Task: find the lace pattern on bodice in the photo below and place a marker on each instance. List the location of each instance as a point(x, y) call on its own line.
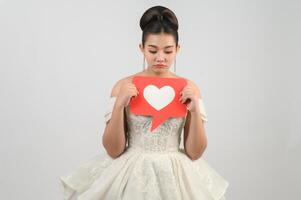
point(167, 137)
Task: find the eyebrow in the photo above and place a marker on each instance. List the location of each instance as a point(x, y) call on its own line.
point(157, 47)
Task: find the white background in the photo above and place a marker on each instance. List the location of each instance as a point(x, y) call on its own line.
point(59, 60)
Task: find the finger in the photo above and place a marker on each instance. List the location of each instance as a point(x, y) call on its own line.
point(132, 94)
point(135, 92)
point(132, 87)
point(188, 106)
point(183, 98)
point(183, 92)
point(183, 95)
point(135, 88)
point(186, 97)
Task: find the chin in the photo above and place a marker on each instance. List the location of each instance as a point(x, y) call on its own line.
point(160, 69)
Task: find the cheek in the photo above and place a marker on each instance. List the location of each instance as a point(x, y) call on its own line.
point(149, 57)
point(171, 57)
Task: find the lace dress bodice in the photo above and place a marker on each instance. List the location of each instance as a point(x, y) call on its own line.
point(166, 137)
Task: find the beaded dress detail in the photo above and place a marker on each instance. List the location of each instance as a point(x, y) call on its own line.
point(153, 166)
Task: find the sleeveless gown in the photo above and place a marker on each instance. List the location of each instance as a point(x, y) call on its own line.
point(154, 166)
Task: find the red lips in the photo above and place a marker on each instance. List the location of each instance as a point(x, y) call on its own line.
point(160, 65)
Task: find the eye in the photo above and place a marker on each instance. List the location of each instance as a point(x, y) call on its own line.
point(153, 52)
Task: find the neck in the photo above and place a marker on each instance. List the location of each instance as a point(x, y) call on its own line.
point(149, 72)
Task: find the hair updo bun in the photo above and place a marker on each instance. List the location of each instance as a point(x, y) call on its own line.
point(159, 19)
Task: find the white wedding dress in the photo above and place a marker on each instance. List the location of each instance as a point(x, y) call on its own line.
point(154, 166)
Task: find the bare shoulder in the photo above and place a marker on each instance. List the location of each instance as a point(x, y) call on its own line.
point(128, 79)
point(188, 80)
point(119, 83)
point(193, 84)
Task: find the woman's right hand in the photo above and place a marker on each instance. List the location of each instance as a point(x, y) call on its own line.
point(126, 92)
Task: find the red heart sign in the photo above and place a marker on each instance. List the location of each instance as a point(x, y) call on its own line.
point(158, 97)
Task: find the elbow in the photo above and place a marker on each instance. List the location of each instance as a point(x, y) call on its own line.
point(197, 155)
point(114, 155)
point(114, 148)
point(113, 151)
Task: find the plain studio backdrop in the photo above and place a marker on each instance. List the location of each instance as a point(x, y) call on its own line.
point(59, 60)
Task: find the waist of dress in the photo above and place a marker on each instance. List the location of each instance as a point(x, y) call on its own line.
point(152, 150)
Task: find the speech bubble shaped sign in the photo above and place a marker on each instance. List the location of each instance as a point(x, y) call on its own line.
point(158, 97)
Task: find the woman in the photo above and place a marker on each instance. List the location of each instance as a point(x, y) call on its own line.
point(148, 168)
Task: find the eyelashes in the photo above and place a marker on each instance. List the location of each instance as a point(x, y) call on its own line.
point(153, 52)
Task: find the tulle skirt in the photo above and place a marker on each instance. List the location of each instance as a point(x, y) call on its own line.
point(144, 176)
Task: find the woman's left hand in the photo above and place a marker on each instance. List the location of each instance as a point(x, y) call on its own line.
point(190, 96)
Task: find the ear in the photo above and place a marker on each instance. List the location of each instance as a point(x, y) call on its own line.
point(141, 48)
point(178, 48)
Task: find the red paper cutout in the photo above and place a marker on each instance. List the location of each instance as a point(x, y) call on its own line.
point(158, 91)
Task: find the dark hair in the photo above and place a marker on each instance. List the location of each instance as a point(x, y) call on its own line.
point(159, 19)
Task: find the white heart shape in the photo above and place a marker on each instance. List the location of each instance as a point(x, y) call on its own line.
point(158, 98)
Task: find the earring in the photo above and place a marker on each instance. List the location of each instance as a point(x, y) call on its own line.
point(174, 66)
point(143, 65)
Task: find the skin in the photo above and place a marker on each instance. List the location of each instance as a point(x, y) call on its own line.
point(158, 49)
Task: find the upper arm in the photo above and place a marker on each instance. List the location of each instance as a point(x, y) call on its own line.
point(118, 84)
point(111, 101)
point(186, 128)
point(188, 117)
point(114, 93)
point(116, 88)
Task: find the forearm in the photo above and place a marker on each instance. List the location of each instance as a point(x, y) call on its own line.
point(196, 141)
point(113, 139)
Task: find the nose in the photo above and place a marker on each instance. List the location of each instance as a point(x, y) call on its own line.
point(160, 57)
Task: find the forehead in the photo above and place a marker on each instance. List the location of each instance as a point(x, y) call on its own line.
point(161, 40)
